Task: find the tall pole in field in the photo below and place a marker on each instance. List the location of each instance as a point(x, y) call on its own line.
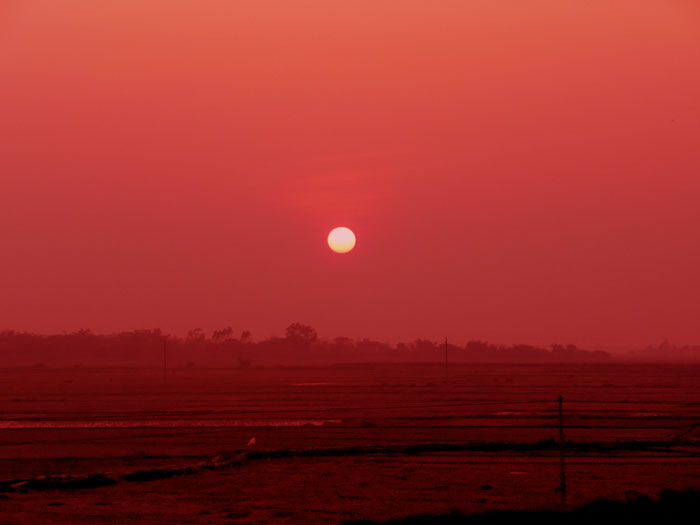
point(447, 373)
point(562, 464)
point(165, 359)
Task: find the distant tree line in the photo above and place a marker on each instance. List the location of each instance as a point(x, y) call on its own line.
point(668, 352)
point(223, 347)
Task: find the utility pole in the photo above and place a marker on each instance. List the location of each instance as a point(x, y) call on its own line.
point(562, 464)
point(165, 359)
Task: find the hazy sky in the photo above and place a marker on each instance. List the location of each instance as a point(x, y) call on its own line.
point(516, 171)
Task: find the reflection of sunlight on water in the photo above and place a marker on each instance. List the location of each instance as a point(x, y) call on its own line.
point(167, 423)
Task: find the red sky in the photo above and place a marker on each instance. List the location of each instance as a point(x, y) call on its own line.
point(514, 171)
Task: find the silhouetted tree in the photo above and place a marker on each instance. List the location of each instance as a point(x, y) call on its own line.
point(477, 346)
point(343, 342)
point(423, 345)
point(196, 335)
point(225, 334)
point(301, 334)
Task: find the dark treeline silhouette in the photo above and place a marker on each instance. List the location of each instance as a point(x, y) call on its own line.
point(666, 351)
point(299, 346)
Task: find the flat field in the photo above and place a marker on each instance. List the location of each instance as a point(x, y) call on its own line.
point(338, 443)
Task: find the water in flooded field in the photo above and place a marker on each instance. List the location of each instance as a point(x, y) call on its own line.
point(361, 442)
point(164, 423)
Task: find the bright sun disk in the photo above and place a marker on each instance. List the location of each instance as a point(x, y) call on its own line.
point(341, 239)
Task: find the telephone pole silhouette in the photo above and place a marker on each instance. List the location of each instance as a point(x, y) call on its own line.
point(562, 463)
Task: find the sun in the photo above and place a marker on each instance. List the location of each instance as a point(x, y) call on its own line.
point(341, 239)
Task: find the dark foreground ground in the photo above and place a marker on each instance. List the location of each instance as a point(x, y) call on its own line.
point(340, 444)
point(668, 507)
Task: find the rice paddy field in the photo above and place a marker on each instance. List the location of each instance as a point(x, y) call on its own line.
point(335, 444)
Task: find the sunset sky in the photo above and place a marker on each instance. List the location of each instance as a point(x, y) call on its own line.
point(515, 171)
